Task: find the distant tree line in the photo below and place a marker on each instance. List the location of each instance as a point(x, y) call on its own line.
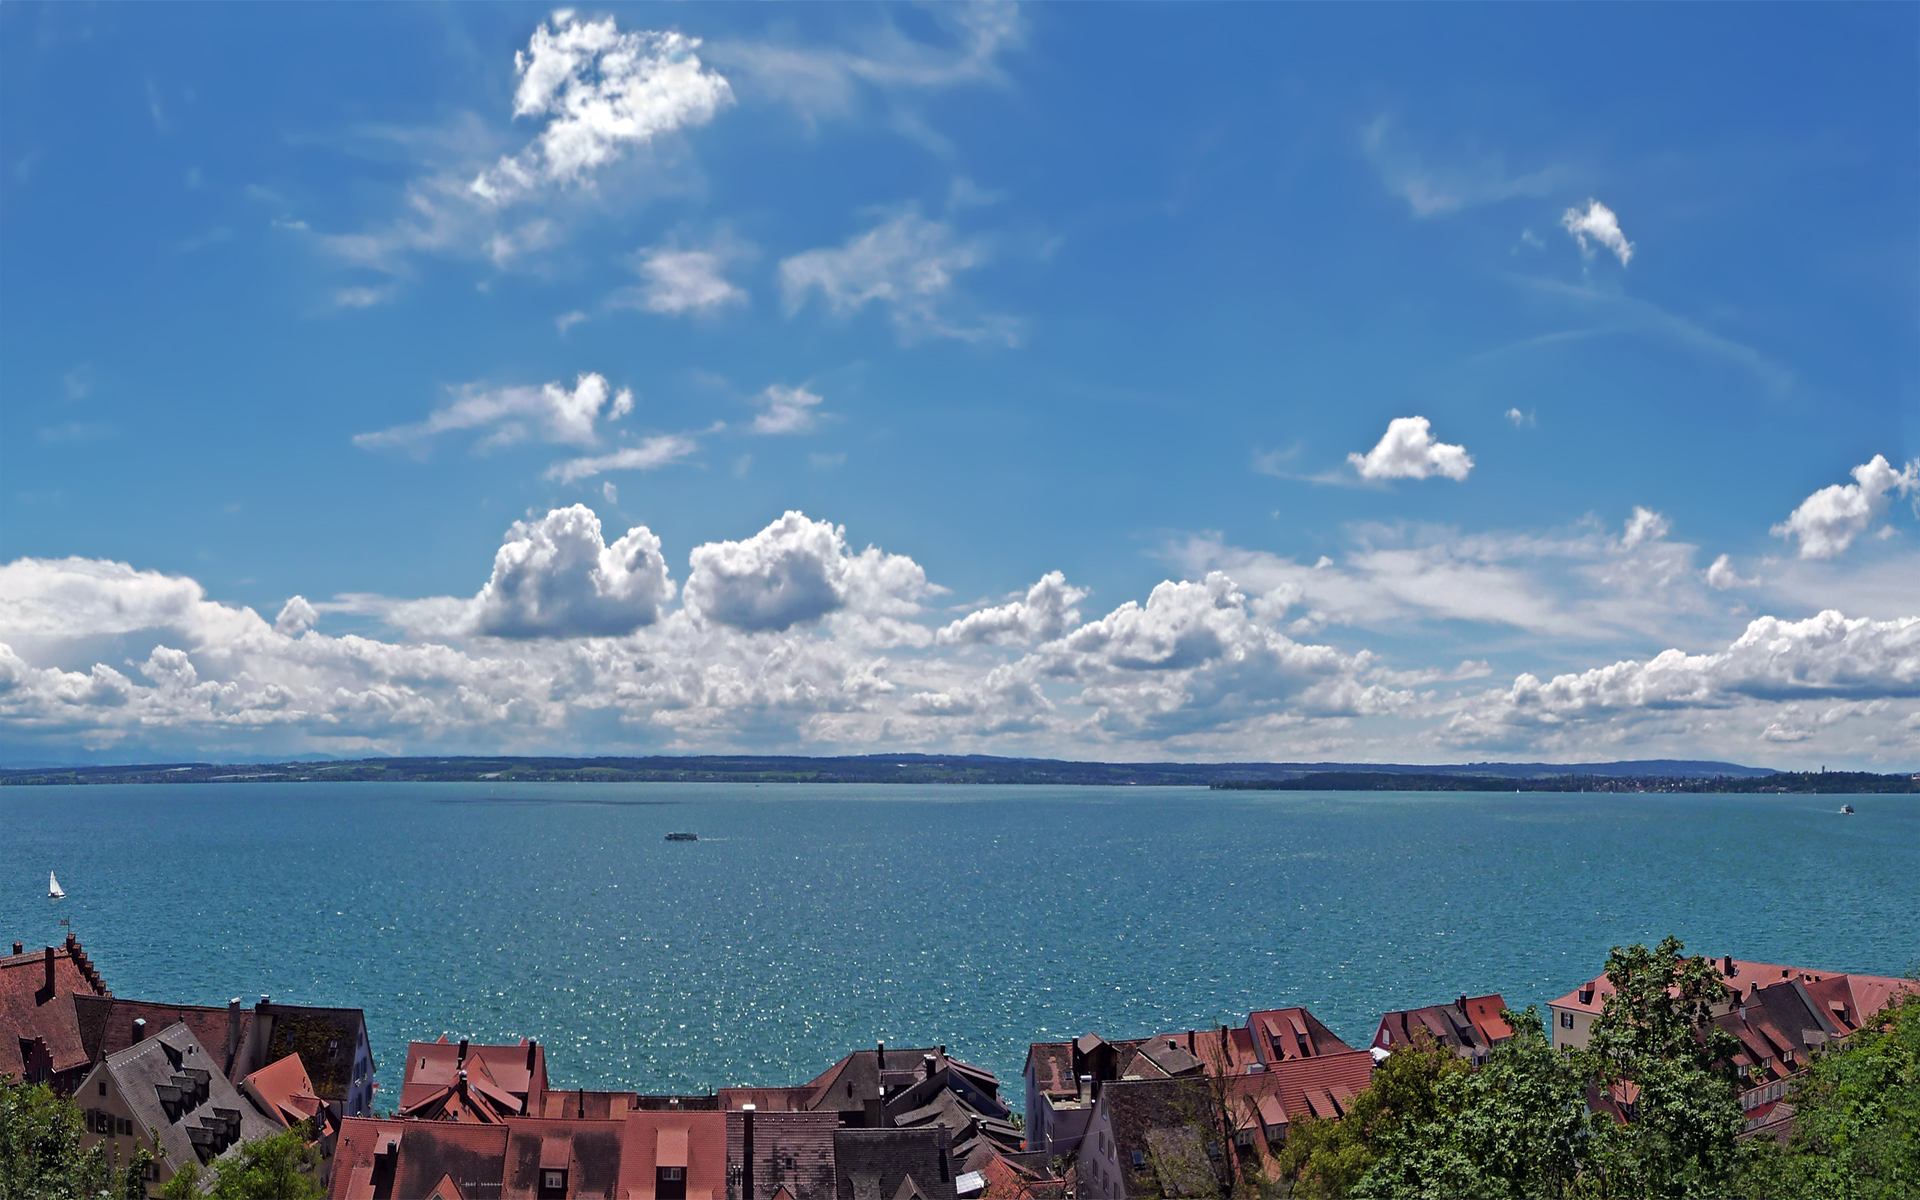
point(1829, 782)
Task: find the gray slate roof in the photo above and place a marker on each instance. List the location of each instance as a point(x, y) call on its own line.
point(176, 1088)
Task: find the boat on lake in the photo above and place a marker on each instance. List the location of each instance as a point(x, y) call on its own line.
point(683, 837)
point(53, 888)
point(1846, 810)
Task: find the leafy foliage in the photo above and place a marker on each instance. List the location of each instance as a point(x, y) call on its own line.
point(41, 1155)
point(1327, 1159)
point(1856, 1120)
point(272, 1168)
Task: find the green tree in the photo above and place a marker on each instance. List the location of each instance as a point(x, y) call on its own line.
point(271, 1168)
point(41, 1157)
point(1856, 1120)
point(1513, 1129)
point(1324, 1160)
point(1655, 1040)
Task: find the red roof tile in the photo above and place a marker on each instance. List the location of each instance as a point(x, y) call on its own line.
point(29, 1011)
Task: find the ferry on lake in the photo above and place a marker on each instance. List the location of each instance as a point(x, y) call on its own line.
point(683, 837)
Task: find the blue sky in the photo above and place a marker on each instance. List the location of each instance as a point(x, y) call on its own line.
point(1271, 382)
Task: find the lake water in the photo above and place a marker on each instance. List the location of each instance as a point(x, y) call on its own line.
point(811, 920)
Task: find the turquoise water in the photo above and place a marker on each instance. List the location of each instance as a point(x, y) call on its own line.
point(811, 920)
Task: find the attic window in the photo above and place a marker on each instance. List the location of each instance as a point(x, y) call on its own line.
point(333, 1045)
point(553, 1181)
point(673, 1174)
point(1139, 1160)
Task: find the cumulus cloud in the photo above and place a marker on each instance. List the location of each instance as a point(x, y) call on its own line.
point(1599, 224)
point(653, 452)
point(906, 264)
point(797, 571)
point(557, 577)
point(601, 92)
point(1409, 451)
point(1826, 657)
point(296, 617)
point(1827, 521)
point(1047, 611)
point(549, 413)
point(1642, 525)
point(787, 410)
point(1721, 575)
point(682, 280)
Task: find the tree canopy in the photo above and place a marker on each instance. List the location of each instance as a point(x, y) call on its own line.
point(41, 1156)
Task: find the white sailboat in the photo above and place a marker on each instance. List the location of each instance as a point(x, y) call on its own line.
point(53, 888)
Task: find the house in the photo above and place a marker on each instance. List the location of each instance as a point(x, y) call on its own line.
point(889, 1089)
point(284, 1092)
point(481, 1085)
point(645, 1154)
point(167, 1096)
point(1471, 1026)
point(1575, 1012)
point(1064, 1079)
point(1782, 1023)
point(40, 1039)
point(781, 1155)
point(1266, 1105)
point(332, 1042)
point(1153, 1137)
point(893, 1164)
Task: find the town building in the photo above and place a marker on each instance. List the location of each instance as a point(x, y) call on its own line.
point(1470, 1026)
point(40, 1039)
point(332, 1042)
point(168, 1096)
point(1064, 1079)
point(892, 1164)
point(480, 1085)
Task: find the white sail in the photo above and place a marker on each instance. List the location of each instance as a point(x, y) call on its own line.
point(53, 888)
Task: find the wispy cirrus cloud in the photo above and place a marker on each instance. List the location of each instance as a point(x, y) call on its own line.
point(678, 280)
point(1434, 189)
point(550, 412)
point(905, 265)
point(651, 453)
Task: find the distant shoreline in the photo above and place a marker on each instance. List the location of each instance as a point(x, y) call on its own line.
point(1653, 775)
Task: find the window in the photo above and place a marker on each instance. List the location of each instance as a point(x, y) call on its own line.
point(126, 1127)
point(553, 1181)
point(103, 1087)
point(1566, 1020)
point(333, 1045)
point(1139, 1160)
point(673, 1174)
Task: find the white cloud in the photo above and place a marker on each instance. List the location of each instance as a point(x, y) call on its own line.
point(1521, 420)
point(1409, 451)
point(549, 413)
point(906, 264)
point(787, 410)
point(1437, 190)
point(1721, 575)
point(1600, 224)
point(602, 91)
point(1642, 525)
point(1827, 521)
point(296, 617)
point(568, 320)
point(557, 577)
point(680, 281)
point(1047, 611)
point(653, 452)
point(827, 82)
point(1826, 657)
point(797, 571)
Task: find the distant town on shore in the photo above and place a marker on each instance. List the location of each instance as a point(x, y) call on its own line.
point(1644, 775)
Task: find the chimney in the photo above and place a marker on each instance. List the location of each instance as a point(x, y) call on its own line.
point(1226, 1045)
point(1463, 1002)
point(463, 1052)
point(1727, 968)
point(583, 1104)
point(1086, 1088)
point(263, 1003)
point(49, 984)
point(746, 1138)
point(883, 1056)
point(926, 1061)
point(19, 948)
point(530, 1045)
point(1190, 1049)
point(139, 1030)
point(233, 1033)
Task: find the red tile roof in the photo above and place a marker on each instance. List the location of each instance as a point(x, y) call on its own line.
point(284, 1092)
point(500, 1081)
point(29, 1011)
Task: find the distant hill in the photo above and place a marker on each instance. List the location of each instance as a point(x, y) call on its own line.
point(863, 768)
